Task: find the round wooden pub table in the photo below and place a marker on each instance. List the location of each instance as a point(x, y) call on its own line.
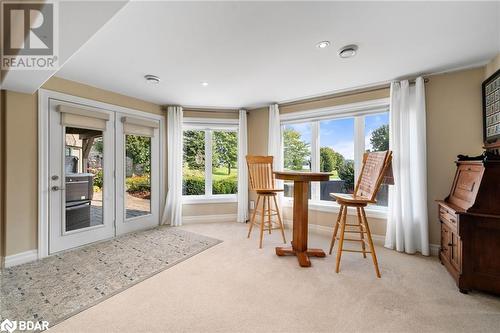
point(301, 182)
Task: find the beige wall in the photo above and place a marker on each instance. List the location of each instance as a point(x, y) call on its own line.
point(218, 114)
point(454, 126)
point(21, 203)
point(209, 209)
point(96, 94)
point(258, 126)
point(334, 101)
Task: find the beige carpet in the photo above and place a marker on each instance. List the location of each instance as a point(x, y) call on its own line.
point(235, 287)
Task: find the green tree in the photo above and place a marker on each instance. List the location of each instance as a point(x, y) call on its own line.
point(295, 150)
point(225, 150)
point(380, 138)
point(138, 148)
point(194, 149)
point(329, 159)
point(346, 173)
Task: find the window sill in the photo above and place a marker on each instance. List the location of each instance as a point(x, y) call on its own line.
point(377, 212)
point(201, 199)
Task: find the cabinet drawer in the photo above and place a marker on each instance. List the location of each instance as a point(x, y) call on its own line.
point(449, 217)
point(445, 240)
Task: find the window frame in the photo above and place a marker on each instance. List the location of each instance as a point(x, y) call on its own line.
point(358, 111)
point(209, 125)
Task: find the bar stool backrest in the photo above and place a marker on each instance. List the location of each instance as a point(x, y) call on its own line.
point(260, 170)
point(375, 165)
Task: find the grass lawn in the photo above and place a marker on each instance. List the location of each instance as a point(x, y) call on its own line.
point(217, 173)
point(221, 173)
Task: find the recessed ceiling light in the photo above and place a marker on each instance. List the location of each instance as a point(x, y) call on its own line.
point(348, 51)
point(204, 84)
point(323, 44)
point(152, 79)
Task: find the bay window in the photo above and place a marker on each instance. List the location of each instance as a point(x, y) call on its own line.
point(334, 140)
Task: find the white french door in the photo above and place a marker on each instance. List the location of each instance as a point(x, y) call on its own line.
point(104, 174)
point(81, 192)
point(137, 174)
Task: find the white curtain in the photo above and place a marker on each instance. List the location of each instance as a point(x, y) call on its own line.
point(172, 213)
point(407, 221)
point(275, 144)
point(242, 168)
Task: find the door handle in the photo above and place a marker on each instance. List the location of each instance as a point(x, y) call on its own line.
point(57, 188)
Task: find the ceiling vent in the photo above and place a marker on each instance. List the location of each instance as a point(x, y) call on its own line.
point(152, 79)
point(348, 51)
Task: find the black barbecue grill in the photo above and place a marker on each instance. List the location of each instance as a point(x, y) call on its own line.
point(79, 193)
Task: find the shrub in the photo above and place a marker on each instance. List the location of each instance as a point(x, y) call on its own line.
point(346, 173)
point(329, 159)
point(225, 186)
point(138, 184)
point(98, 181)
point(193, 185)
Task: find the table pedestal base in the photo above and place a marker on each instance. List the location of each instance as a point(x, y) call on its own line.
point(302, 256)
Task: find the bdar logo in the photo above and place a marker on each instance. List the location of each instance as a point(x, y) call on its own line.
point(8, 326)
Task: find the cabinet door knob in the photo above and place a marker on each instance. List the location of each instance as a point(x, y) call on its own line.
point(450, 244)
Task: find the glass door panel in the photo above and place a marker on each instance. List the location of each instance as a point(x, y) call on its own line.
point(83, 168)
point(137, 176)
point(137, 173)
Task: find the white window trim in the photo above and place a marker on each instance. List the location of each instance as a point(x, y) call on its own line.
point(201, 199)
point(358, 111)
point(209, 125)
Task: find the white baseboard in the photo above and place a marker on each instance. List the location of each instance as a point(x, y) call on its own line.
point(377, 239)
point(21, 258)
point(209, 218)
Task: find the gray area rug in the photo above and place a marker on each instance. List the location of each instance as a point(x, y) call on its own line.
point(57, 287)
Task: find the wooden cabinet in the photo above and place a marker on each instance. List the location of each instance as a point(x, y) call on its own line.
point(470, 225)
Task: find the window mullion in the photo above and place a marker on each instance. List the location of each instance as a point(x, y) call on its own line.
point(208, 163)
point(315, 159)
point(359, 144)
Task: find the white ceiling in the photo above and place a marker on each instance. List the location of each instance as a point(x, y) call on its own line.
point(254, 53)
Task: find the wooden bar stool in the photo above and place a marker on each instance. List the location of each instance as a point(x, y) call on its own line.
point(375, 166)
point(260, 170)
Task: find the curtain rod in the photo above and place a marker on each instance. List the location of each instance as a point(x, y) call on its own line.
point(193, 109)
point(377, 87)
